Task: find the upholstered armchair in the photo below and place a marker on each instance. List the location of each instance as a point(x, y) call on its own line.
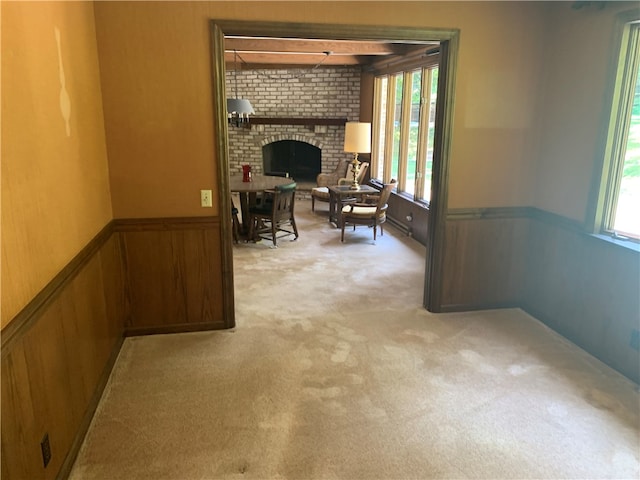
point(326, 179)
point(321, 192)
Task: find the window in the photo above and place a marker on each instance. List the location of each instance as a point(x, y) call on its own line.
point(621, 196)
point(403, 129)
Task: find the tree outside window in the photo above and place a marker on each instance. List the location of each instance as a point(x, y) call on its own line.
point(404, 134)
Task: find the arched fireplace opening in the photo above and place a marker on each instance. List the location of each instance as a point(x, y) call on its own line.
point(301, 160)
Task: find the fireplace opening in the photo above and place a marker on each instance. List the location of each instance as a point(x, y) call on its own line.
point(302, 161)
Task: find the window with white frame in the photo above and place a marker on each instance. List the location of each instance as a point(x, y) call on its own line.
point(403, 129)
point(620, 197)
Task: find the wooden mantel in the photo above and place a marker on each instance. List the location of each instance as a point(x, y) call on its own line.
point(296, 121)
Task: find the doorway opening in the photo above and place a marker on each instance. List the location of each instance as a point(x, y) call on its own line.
point(448, 46)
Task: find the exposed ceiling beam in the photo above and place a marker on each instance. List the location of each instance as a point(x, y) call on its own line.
point(418, 55)
point(248, 60)
point(271, 52)
point(313, 46)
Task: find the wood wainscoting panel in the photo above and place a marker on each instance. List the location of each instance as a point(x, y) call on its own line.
point(50, 372)
point(484, 261)
point(57, 362)
point(200, 265)
point(173, 270)
point(586, 289)
point(582, 286)
point(400, 207)
point(86, 330)
point(153, 290)
point(112, 264)
point(21, 456)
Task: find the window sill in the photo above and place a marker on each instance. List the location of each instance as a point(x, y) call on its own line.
point(405, 196)
point(628, 244)
point(409, 198)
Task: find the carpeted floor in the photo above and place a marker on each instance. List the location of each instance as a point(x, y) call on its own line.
point(335, 371)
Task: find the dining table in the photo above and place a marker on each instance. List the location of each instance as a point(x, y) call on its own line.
point(248, 191)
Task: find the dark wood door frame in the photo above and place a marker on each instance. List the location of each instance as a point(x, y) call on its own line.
point(448, 38)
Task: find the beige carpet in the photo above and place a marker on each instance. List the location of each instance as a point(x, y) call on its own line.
point(335, 371)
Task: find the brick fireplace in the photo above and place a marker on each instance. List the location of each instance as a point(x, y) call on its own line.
point(332, 92)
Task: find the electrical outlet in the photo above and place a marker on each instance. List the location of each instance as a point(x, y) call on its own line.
point(634, 342)
point(205, 198)
point(45, 448)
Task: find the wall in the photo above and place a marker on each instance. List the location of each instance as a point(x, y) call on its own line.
point(155, 77)
point(543, 259)
point(574, 104)
point(62, 283)
point(322, 93)
point(583, 287)
point(400, 208)
point(156, 86)
point(157, 92)
point(55, 368)
point(159, 114)
point(528, 94)
point(173, 275)
point(156, 83)
point(55, 180)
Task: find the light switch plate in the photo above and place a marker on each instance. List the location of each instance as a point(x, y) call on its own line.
point(205, 198)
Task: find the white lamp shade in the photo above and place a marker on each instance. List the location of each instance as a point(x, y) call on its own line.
point(357, 137)
point(239, 106)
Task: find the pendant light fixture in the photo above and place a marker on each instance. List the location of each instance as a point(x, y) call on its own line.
point(238, 109)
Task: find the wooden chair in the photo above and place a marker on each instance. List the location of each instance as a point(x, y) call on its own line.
point(266, 196)
point(236, 223)
point(276, 215)
point(367, 214)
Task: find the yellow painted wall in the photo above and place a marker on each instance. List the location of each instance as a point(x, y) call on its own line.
point(156, 77)
point(55, 184)
point(580, 53)
point(155, 62)
point(520, 65)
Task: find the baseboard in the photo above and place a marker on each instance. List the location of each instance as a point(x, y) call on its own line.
point(175, 328)
point(465, 307)
point(398, 225)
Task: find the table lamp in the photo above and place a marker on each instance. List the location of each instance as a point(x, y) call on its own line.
point(357, 139)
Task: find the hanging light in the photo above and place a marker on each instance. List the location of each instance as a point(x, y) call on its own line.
point(238, 109)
